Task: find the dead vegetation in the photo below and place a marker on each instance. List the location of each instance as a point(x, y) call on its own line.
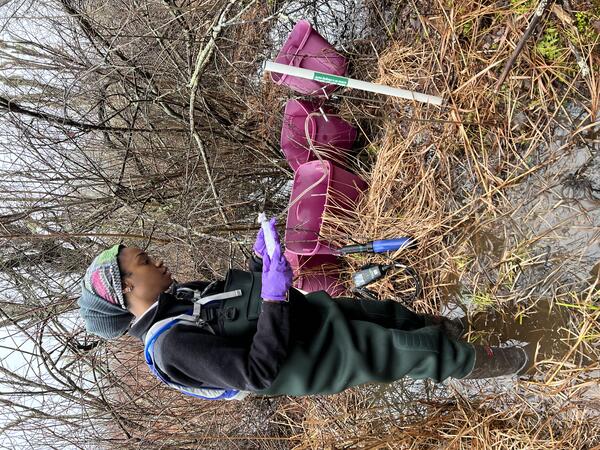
point(168, 138)
point(464, 179)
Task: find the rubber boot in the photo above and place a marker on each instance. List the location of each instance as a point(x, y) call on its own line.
point(496, 362)
point(453, 328)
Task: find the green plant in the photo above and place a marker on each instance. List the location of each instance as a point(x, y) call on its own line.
point(482, 300)
point(463, 262)
point(467, 28)
point(583, 22)
point(522, 6)
point(579, 304)
point(549, 46)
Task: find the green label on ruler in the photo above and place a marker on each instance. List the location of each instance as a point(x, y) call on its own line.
point(331, 79)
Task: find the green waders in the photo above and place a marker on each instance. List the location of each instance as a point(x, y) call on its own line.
point(342, 342)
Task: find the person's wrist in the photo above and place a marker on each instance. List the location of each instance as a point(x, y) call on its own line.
point(278, 299)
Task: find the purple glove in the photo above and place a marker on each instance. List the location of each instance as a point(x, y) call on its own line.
point(260, 247)
point(276, 276)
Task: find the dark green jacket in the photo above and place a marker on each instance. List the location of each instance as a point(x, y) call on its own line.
point(313, 345)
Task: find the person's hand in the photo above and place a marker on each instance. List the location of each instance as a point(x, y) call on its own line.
point(276, 276)
point(260, 247)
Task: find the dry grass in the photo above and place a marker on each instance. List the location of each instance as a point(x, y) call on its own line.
point(467, 180)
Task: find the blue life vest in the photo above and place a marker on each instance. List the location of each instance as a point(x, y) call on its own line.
point(192, 318)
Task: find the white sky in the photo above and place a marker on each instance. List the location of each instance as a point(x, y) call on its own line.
point(17, 352)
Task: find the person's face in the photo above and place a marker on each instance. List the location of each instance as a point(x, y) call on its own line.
point(144, 277)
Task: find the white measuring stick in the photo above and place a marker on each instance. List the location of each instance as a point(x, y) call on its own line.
point(270, 241)
point(322, 77)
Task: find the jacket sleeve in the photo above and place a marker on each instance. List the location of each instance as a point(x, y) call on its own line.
point(193, 357)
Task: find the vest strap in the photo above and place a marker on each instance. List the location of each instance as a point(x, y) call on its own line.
point(220, 296)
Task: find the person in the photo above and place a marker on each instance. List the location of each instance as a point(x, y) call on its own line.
point(273, 339)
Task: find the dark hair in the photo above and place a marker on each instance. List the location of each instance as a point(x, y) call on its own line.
point(121, 273)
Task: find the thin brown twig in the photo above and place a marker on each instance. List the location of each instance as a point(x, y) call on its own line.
point(537, 15)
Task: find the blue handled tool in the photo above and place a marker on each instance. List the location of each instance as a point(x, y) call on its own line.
point(372, 272)
point(379, 246)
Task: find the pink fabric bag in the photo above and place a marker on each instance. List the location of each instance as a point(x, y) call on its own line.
point(307, 49)
point(318, 186)
point(332, 137)
point(316, 273)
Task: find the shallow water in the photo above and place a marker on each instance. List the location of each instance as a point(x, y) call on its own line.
point(488, 243)
point(543, 324)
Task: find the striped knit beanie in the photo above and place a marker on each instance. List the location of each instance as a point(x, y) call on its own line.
point(101, 304)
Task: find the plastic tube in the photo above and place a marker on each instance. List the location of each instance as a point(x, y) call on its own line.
point(270, 241)
point(271, 66)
